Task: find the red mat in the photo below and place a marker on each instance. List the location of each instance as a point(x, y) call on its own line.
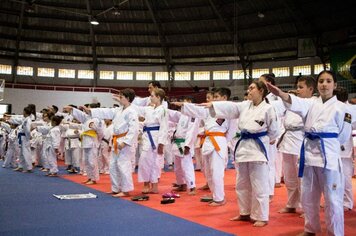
point(190, 208)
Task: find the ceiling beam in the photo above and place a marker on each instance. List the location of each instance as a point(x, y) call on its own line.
point(166, 51)
point(17, 43)
point(93, 45)
point(234, 34)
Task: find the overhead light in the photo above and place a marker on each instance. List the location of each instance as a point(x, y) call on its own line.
point(116, 11)
point(94, 21)
point(260, 15)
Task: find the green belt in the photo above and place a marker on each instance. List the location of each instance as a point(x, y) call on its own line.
point(179, 141)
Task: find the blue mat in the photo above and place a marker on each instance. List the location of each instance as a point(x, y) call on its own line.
point(27, 207)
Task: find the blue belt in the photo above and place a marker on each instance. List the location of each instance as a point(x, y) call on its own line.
point(314, 136)
point(148, 130)
point(256, 137)
point(19, 137)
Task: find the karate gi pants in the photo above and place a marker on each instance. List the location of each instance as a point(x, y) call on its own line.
point(291, 179)
point(121, 170)
point(315, 181)
point(253, 190)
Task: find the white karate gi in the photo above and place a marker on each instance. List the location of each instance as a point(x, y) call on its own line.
point(290, 146)
point(105, 153)
point(215, 160)
point(24, 134)
point(323, 117)
point(90, 144)
point(13, 149)
point(70, 134)
point(149, 167)
point(123, 121)
point(187, 131)
point(52, 142)
point(347, 161)
point(251, 188)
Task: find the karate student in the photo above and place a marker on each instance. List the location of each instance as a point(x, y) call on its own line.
point(347, 151)
point(275, 158)
point(290, 143)
point(146, 101)
point(155, 136)
point(183, 148)
point(105, 148)
point(259, 128)
point(92, 133)
point(24, 135)
point(13, 150)
point(326, 126)
point(214, 149)
point(125, 131)
point(72, 146)
point(199, 162)
point(51, 143)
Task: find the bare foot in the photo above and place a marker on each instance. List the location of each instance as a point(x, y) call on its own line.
point(260, 223)
point(122, 194)
point(216, 204)
point(241, 218)
point(91, 182)
point(306, 234)
point(287, 210)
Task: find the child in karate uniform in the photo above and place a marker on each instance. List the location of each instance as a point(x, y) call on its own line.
point(259, 128)
point(327, 126)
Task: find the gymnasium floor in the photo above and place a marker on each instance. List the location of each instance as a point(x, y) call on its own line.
point(27, 207)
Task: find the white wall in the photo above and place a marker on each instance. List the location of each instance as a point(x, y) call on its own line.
point(20, 98)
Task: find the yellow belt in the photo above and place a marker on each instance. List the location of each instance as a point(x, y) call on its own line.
point(91, 133)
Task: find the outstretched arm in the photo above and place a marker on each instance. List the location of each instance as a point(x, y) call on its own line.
point(278, 92)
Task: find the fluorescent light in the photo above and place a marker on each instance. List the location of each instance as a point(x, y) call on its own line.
point(94, 21)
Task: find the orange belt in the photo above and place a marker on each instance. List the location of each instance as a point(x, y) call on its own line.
point(202, 139)
point(212, 139)
point(114, 140)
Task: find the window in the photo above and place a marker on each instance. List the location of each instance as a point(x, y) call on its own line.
point(45, 72)
point(202, 75)
point(161, 76)
point(107, 74)
point(238, 74)
point(5, 69)
point(124, 75)
point(320, 67)
point(256, 73)
point(66, 73)
point(182, 75)
point(303, 70)
point(85, 74)
point(25, 70)
point(221, 75)
point(281, 71)
point(143, 75)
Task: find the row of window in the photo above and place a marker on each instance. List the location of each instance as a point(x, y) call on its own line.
point(129, 75)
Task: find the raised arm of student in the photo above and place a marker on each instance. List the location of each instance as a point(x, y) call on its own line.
point(192, 110)
point(227, 109)
point(104, 113)
point(79, 115)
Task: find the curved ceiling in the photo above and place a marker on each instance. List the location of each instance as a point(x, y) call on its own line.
point(171, 32)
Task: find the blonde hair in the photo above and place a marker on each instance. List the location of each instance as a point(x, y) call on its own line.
point(160, 93)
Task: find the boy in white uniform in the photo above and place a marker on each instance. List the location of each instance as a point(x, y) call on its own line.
point(214, 150)
point(327, 125)
point(154, 138)
point(125, 131)
point(290, 143)
point(183, 148)
point(92, 132)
